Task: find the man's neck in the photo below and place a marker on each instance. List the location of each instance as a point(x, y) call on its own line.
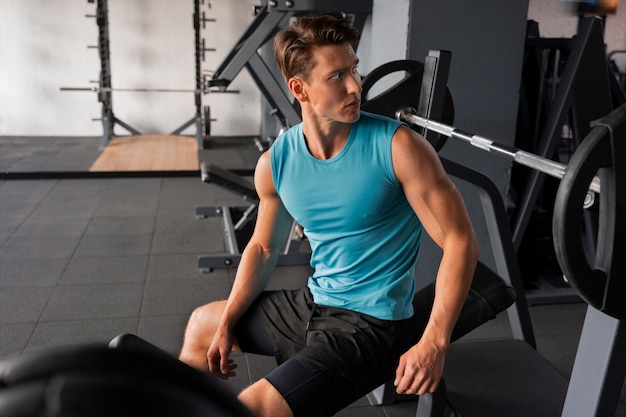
point(325, 140)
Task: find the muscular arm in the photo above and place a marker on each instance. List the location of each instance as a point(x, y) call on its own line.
point(441, 209)
point(257, 262)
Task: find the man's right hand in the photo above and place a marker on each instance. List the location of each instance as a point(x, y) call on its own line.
point(218, 357)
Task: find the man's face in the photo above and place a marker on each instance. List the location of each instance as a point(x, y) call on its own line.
point(333, 86)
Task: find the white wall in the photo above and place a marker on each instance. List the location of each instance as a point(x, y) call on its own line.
point(384, 37)
point(557, 19)
point(43, 46)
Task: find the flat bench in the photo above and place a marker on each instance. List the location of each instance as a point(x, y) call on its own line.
point(238, 222)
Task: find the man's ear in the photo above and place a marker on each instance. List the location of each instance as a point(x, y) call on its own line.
point(296, 86)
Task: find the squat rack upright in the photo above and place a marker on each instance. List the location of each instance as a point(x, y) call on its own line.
point(105, 90)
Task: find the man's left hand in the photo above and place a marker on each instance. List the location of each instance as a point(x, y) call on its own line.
point(420, 369)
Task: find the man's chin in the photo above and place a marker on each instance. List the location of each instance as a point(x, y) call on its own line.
point(354, 117)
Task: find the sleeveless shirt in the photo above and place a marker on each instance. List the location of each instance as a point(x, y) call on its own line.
point(364, 235)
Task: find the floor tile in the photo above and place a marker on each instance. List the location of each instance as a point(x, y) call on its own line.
point(165, 332)
point(101, 301)
point(176, 267)
point(187, 223)
point(39, 247)
point(49, 334)
point(180, 297)
point(114, 245)
point(178, 243)
point(13, 339)
point(23, 305)
point(9, 223)
point(28, 273)
point(118, 225)
point(105, 270)
point(51, 225)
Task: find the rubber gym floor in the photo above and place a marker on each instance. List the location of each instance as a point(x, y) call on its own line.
point(83, 260)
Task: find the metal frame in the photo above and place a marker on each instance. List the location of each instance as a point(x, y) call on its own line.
point(271, 17)
point(197, 118)
point(105, 91)
point(600, 366)
point(434, 84)
point(506, 266)
point(238, 222)
point(585, 93)
point(290, 254)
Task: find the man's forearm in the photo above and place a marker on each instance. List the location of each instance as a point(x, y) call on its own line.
point(454, 279)
point(252, 276)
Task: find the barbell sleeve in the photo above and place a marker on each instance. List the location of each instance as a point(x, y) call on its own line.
point(544, 165)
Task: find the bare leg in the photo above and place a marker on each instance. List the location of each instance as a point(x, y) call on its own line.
point(261, 397)
point(264, 400)
point(199, 334)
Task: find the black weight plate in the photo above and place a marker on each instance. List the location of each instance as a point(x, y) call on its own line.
point(602, 284)
point(403, 94)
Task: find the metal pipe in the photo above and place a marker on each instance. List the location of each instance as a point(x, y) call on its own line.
point(145, 90)
point(547, 166)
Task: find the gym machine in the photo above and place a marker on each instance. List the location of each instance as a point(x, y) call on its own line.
point(238, 223)
point(126, 378)
point(599, 369)
point(566, 85)
point(271, 17)
point(434, 101)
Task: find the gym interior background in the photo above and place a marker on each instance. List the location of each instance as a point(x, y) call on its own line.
point(85, 257)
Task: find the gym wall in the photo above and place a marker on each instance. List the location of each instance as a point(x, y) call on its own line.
point(487, 45)
point(44, 45)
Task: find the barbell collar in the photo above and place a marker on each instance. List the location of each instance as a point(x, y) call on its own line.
point(544, 165)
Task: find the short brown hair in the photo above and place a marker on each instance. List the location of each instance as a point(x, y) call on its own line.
point(293, 45)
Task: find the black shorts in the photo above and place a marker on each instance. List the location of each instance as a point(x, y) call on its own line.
point(328, 357)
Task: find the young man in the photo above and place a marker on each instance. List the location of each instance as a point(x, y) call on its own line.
point(362, 187)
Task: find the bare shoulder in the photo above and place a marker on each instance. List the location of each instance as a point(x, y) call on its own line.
point(412, 154)
point(263, 180)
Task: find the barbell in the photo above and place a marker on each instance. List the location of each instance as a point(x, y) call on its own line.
point(598, 165)
point(528, 159)
point(147, 90)
point(401, 101)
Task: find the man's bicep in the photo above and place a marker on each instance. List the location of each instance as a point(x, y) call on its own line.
point(273, 222)
point(427, 187)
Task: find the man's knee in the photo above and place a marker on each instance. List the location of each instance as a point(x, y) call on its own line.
point(263, 400)
point(199, 333)
point(207, 316)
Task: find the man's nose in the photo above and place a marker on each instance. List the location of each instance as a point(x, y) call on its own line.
point(354, 83)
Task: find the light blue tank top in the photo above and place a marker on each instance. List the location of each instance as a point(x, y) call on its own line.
point(364, 235)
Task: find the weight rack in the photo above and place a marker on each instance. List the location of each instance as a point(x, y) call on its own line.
point(105, 89)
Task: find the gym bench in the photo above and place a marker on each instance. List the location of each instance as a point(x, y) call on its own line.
point(238, 222)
